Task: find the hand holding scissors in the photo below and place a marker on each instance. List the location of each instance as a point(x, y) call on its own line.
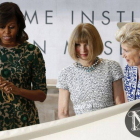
point(6, 87)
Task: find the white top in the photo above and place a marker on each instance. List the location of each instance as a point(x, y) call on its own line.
point(90, 91)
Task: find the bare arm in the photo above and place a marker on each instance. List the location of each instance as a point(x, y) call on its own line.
point(118, 92)
point(125, 97)
point(63, 103)
point(35, 95)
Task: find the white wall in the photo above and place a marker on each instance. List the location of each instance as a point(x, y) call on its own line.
point(104, 14)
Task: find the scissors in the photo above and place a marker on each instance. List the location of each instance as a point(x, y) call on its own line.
point(8, 97)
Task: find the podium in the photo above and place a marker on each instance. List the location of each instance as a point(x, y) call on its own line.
point(104, 124)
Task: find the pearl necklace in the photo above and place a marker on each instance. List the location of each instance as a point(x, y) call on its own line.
point(88, 69)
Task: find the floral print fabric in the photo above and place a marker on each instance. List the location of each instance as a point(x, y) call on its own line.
point(23, 65)
point(131, 83)
point(90, 91)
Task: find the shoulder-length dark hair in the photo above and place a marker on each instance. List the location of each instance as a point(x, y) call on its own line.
point(9, 11)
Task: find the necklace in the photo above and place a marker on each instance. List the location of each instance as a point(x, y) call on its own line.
point(87, 69)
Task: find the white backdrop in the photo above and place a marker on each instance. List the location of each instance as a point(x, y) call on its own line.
point(50, 23)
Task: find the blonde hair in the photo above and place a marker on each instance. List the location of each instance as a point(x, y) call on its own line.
point(86, 33)
point(130, 34)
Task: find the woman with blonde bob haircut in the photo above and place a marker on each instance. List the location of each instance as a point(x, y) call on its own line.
point(91, 83)
point(129, 37)
point(86, 33)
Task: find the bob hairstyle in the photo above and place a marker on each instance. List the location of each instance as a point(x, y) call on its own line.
point(9, 11)
point(129, 34)
point(86, 33)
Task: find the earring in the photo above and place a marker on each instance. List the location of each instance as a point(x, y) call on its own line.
point(77, 56)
